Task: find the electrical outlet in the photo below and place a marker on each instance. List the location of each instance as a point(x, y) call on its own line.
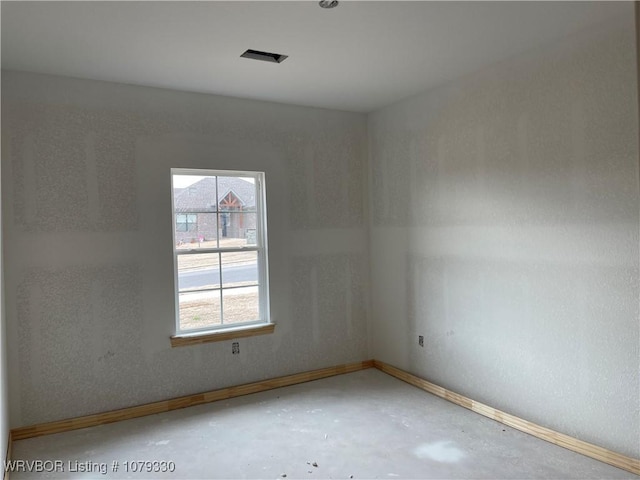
point(421, 340)
point(235, 348)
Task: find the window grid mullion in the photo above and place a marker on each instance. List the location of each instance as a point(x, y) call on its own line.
point(214, 289)
point(202, 251)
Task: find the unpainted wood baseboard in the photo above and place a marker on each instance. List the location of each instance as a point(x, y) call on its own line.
point(588, 449)
point(182, 402)
point(598, 453)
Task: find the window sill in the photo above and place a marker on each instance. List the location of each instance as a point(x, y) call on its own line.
point(227, 334)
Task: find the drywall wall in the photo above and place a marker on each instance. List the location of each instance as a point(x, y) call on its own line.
point(4, 374)
point(88, 240)
point(504, 212)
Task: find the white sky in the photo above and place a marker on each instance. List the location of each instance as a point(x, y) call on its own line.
point(183, 181)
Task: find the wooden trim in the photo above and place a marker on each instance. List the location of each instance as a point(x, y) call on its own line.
point(612, 458)
point(598, 453)
point(198, 338)
point(182, 402)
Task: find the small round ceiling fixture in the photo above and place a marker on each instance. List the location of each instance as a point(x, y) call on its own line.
point(328, 3)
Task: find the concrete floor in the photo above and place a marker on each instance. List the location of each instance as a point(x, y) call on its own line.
point(364, 424)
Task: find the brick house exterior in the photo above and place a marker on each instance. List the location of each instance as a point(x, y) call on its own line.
point(201, 217)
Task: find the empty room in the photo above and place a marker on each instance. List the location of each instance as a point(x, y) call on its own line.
point(320, 239)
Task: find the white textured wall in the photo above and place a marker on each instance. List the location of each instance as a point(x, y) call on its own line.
point(505, 230)
point(4, 373)
point(88, 240)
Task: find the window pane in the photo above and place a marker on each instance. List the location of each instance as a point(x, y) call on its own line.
point(235, 192)
point(240, 305)
point(237, 206)
point(193, 193)
point(239, 268)
point(237, 229)
point(195, 231)
point(198, 271)
point(199, 309)
point(217, 210)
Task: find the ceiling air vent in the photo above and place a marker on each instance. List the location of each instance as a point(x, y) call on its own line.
point(264, 56)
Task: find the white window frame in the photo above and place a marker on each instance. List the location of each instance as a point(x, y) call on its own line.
point(260, 248)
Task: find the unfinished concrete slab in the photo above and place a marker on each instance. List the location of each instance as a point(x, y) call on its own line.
point(360, 425)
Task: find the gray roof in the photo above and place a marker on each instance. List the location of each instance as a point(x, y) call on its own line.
point(200, 196)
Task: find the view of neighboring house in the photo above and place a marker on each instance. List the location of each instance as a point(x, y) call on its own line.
point(202, 216)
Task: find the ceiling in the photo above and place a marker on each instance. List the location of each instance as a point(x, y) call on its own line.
point(358, 57)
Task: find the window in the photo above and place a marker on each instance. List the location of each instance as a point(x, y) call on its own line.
point(220, 251)
point(186, 222)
